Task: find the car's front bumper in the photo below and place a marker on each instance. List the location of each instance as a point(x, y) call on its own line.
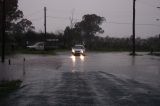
point(78, 53)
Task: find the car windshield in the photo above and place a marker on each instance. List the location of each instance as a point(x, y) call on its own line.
point(78, 47)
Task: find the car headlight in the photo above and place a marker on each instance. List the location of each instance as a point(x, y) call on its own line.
point(73, 50)
point(81, 51)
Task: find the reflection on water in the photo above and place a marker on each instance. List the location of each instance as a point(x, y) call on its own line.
point(77, 63)
point(82, 62)
point(133, 60)
point(133, 68)
point(73, 63)
point(73, 58)
point(82, 57)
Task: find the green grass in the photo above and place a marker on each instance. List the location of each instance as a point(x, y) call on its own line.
point(7, 87)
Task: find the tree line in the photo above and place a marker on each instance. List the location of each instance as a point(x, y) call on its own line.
point(20, 33)
point(108, 43)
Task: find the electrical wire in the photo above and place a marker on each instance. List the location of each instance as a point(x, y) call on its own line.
point(37, 19)
point(135, 24)
point(67, 18)
point(34, 13)
point(111, 22)
point(62, 18)
point(147, 4)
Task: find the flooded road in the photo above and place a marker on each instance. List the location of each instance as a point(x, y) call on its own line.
point(97, 79)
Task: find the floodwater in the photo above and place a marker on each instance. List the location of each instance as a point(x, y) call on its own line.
point(97, 79)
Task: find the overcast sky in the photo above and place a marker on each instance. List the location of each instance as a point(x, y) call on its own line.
point(118, 14)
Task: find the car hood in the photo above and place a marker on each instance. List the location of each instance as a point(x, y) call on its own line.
point(78, 49)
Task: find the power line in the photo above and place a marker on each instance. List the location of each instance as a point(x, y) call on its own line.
point(118, 23)
point(147, 4)
point(111, 22)
point(149, 25)
point(34, 13)
point(135, 24)
point(36, 19)
point(61, 18)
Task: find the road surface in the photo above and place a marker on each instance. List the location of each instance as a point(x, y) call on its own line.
point(97, 79)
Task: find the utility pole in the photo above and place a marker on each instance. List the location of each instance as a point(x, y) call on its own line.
point(158, 18)
point(133, 37)
point(45, 35)
point(3, 31)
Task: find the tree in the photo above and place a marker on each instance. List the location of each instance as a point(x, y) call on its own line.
point(12, 12)
point(68, 38)
point(12, 25)
point(14, 17)
point(22, 26)
point(89, 26)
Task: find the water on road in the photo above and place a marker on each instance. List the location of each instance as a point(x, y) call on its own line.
point(97, 79)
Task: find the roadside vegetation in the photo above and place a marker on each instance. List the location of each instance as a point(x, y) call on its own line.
point(155, 54)
point(20, 33)
point(102, 44)
point(43, 52)
point(7, 87)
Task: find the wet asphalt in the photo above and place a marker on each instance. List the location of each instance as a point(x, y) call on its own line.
point(97, 79)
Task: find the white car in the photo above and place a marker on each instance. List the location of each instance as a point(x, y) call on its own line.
point(37, 46)
point(78, 50)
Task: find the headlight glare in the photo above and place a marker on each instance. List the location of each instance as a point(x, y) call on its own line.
point(73, 50)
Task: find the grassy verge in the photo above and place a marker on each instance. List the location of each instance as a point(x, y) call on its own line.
point(155, 54)
point(62, 50)
point(43, 52)
point(7, 87)
point(26, 51)
point(7, 52)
